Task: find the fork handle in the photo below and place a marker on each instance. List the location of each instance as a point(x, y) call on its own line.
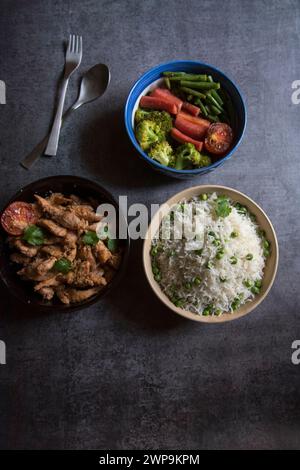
point(55, 131)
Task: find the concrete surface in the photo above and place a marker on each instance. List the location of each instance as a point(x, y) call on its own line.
point(127, 373)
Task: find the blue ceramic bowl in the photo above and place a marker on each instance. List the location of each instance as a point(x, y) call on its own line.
point(152, 78)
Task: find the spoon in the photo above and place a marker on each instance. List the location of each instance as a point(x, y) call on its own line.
point(93, 84)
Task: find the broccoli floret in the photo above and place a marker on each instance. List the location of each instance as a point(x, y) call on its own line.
point(187, 156)
point(161, 118)
point(162, 152)
point(140, 115)
point(148, 133)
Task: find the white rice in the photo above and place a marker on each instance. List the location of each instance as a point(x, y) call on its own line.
point(179, 264)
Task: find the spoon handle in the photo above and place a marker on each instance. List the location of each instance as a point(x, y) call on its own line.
point(35, 154)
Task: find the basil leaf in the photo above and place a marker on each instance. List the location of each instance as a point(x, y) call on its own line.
point(223, 208)
point(63, 265)
point(33, 235)
point(90, 238)
point(112, 245)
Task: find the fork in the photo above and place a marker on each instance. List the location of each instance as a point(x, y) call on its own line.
point(73, 59)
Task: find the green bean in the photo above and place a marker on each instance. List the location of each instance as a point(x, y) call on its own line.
point(188, 90)
point(174, 74)
point(190, 78)
point(189, 97)
point(214, 110)
point(200, 85)
point(202, 107)
point(213, 118)
point(167, 82)
point(212, 100)
point(217, 97)
point(249, 256)
point(233, 260)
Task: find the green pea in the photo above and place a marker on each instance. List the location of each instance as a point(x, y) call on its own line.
point(248, 284)
point(188, 285)
point(154, 251)
point(218, 312)
point(234, 234)
point(255, 290)
point(258, 283)
point(211, 233)
point(220, 253)
point(249, 256)
point(266, 252)
point(155, 269)
point(209, 265)
point(198, 252)
point(207, 311)
point(233, 260)
point(236, 303)
point(266, 244)
point(171, 253)
point(217, 242)
point(222, 279)
point(197, 281)
point(179, 302)
point(203, 197)
point(157, 277)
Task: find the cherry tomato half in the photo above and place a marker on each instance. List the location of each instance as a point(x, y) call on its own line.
point(219, 138)
point(17, 216)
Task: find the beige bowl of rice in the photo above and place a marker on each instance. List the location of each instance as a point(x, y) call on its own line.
point(210, 254)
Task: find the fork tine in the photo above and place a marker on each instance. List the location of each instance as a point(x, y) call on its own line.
point(73, 43)
point(80, 45)
point(70, 43)
point(77, 44)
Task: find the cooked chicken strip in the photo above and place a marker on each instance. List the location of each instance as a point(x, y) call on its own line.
point(49, 240)
point(25, 249)
point(85, 212)
point(53, 250)
point(101, 252)
point(49, 282)
point(52, 227)
point(46, 265)
point(61, 215)
point(46, 292)
point(69, 295)
point(85, 253)
point(59, 199)
point(20, 259)
point(93, 227)
point(70, 252)
point(70, 239)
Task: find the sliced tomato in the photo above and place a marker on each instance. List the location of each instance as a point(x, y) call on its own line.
point(167, 95)
point(191, 108)
point(184, 139)
point(219, 138)
point(158, 103)
point(17, 216)
point(195, 130)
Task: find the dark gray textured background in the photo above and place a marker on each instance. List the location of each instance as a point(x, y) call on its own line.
point(127, 373)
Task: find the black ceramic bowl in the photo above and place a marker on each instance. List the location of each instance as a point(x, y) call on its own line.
point(23, 290)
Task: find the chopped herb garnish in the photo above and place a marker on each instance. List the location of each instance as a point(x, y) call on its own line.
point(112, 244)
point(62, 265)
point(34, 235)
point(90, 238)
point(223, 208)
